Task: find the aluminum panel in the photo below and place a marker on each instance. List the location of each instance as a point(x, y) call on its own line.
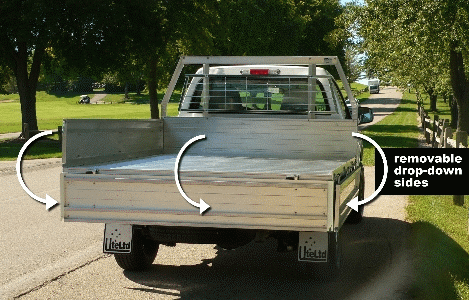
point(94, 141)
point(269, 138)
point(248, 206)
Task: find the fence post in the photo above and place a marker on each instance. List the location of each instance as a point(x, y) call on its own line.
point(435, 130)
point(458, 200)
point(26, 131)
point(447, 135)
point(422, 117)
point(59, 131)
point(441, 133)
point(427, 125)
point(461, 138)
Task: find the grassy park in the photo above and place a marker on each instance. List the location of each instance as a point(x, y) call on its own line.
point(52, 109)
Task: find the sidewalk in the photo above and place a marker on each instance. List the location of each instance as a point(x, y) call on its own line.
point(11, 135)
point(9, 167)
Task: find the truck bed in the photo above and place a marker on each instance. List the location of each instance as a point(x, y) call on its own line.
point(191, 164)
point(242, 192)
point(242, 170)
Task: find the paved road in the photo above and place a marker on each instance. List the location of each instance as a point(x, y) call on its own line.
point(44, 258)
point(376, 266)
point(35, 244)
point(382, 104)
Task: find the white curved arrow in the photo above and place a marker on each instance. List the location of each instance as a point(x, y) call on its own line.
point(354, 203)
point(202, 205)
point(49, 201)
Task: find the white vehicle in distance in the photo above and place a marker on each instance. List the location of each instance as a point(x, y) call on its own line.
point(373, 86)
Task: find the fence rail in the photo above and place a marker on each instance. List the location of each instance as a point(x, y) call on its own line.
point(438, 132)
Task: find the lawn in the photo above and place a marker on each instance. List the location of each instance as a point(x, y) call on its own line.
point(440, 241)
point(52, 109)
point(398, 130)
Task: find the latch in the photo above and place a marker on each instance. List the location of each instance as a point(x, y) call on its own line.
point(293, 177)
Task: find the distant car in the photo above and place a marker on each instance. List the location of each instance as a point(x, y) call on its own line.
point(84, 99)
point(373, 86)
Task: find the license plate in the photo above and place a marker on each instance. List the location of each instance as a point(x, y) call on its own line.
point(117, 238)
point(312, 246)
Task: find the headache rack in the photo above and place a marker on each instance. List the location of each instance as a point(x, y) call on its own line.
point(210, 97)
point(260, 94)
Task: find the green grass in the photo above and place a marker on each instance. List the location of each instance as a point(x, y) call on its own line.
point(439, 236)
point(442, 109)
point(398, 130)
point(44, 148)
point(52, 109)
point(356, 88)
point(440, 241)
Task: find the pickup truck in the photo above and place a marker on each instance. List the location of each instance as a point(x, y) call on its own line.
point(266, 142)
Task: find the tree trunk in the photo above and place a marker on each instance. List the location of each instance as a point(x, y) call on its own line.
point(27, 83)
point(460, 86)
point(137, 87)
point(152, 89)
point(433, 97)
point(126, 90)
point(454, 112)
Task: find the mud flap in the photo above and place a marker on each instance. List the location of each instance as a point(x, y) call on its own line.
point(313, 247)
point(117, 238)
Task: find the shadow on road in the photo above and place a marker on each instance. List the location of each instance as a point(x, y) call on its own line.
point(256, 271)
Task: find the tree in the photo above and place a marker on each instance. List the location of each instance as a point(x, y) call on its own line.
point(89, 36)
point(259, 28)
point(422, 42)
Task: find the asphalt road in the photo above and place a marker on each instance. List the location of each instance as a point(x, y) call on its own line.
point(45, 258)
point(35, 244)
point(382, 104)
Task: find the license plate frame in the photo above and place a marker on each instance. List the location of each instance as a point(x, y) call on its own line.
point(117, 238)
point(313, 247)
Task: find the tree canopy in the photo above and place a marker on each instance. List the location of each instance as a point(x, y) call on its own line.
point(92, 38)
point(419, 42)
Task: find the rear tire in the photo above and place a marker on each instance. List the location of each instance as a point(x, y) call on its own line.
point(143, 253)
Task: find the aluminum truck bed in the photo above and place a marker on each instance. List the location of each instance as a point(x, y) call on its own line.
point(271, 167)
point(243, 192)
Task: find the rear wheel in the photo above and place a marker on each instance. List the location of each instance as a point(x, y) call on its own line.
point(143, 253)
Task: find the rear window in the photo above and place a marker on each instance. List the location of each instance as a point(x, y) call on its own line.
point(253, 94)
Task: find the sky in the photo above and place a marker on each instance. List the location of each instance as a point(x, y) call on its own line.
point(346, 1)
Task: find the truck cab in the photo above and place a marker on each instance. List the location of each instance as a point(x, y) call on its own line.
point(263, 90)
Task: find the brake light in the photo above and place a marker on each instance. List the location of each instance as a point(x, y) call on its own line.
point(260, 72)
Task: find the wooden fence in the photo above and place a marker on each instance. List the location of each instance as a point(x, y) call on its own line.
point(438, 132)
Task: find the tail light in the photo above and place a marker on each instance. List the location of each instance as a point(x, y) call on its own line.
point(260, 72)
